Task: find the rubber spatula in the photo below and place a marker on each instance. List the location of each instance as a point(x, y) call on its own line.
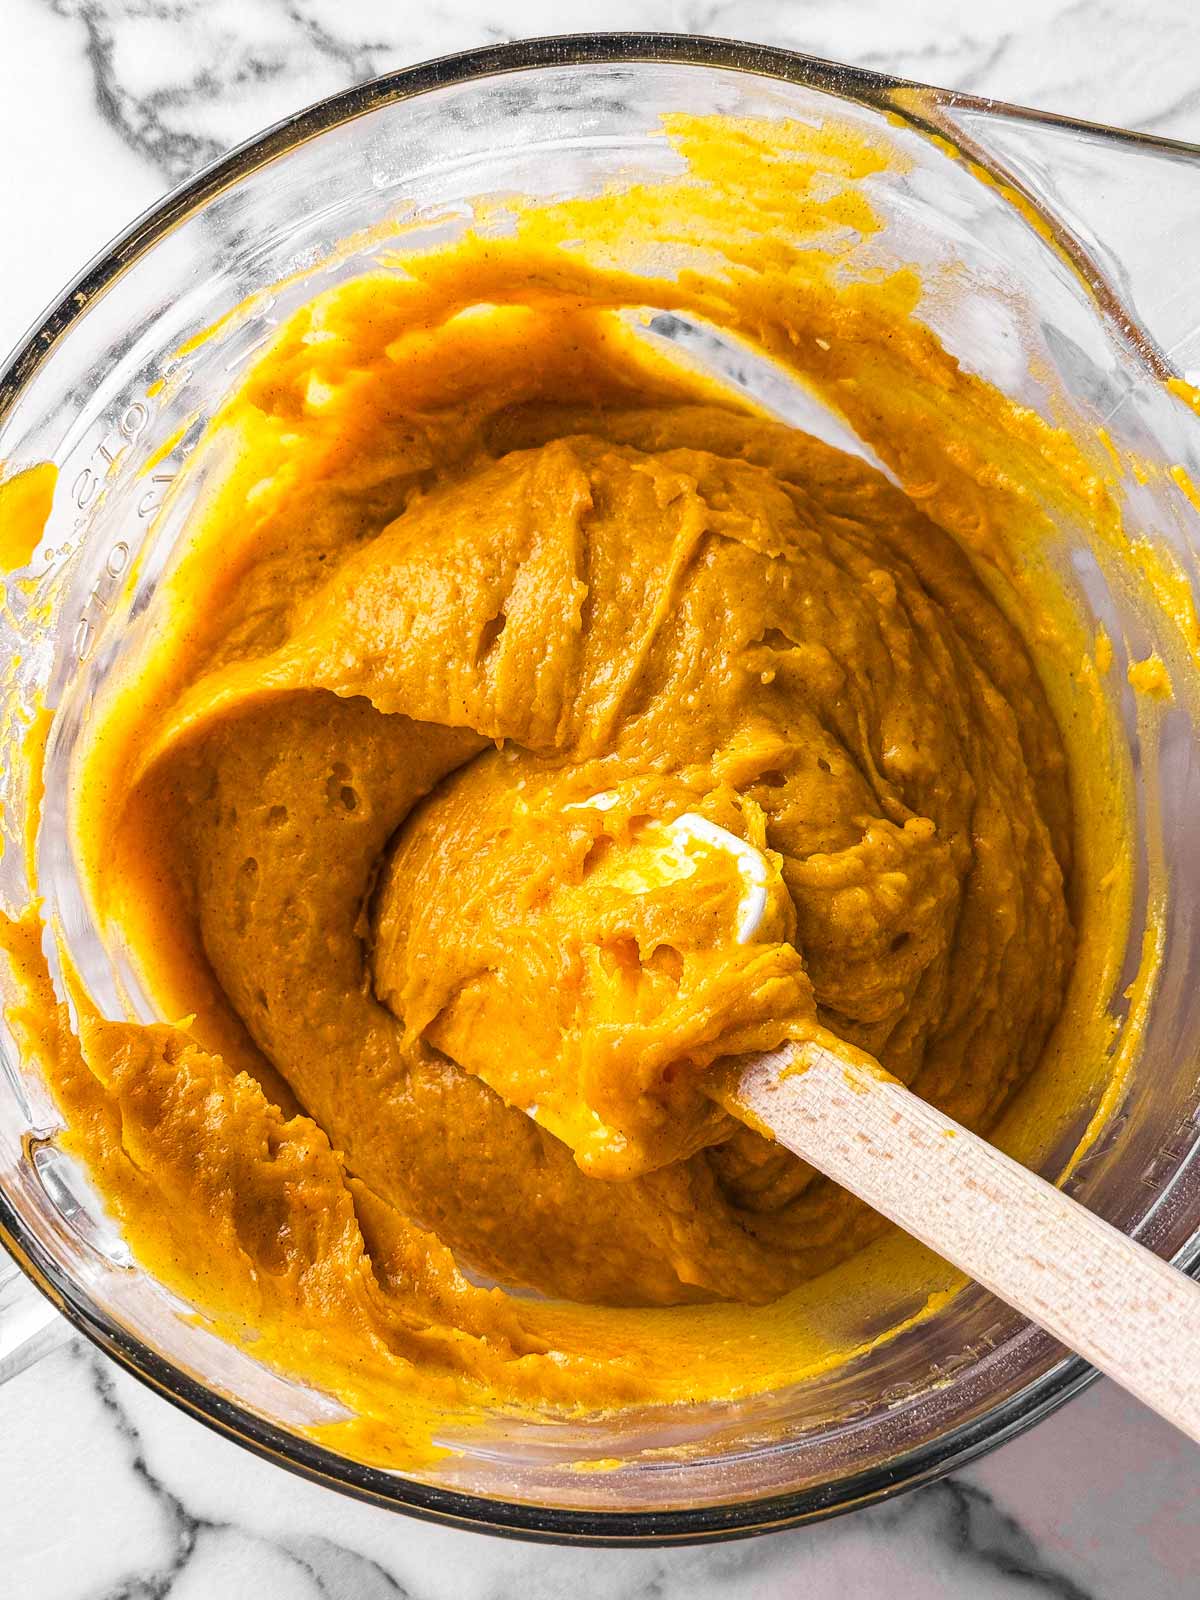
point(1129, 1313)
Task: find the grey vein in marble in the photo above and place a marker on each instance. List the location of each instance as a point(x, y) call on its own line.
point(153, 118)
point(959, 1517)
point(987, 1539)
point(180, 80)
point(333, 1570)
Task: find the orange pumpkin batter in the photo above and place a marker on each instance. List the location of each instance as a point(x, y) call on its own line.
point(487, 594)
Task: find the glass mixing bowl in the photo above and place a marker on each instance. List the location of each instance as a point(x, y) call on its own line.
point(1047, 252)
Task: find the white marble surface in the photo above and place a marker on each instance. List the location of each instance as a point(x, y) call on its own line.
point(108, 1493)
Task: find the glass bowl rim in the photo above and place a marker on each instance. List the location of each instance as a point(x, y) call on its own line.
point(520, 1519)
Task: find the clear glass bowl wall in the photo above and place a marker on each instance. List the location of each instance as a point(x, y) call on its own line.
point(108, 383)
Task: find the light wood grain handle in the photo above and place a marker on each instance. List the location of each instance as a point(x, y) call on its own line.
point(1127, 1312)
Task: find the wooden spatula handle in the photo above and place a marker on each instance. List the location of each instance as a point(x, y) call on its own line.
point(1121, 1307)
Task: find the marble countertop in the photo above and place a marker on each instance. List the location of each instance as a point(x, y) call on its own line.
point(107, 1492)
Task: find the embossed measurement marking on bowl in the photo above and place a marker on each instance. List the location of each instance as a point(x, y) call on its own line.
point(492, 590)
